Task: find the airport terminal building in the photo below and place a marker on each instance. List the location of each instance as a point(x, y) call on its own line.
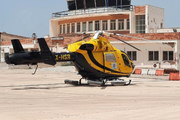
point(145, 24)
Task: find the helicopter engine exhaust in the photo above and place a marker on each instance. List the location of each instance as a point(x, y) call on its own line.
point(88, 47)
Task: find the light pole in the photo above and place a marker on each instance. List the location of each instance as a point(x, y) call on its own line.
point(121, 4)
point(84, 6)
point(34, 36)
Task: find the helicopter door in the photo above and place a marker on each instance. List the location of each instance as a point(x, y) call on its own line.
point(109, 61)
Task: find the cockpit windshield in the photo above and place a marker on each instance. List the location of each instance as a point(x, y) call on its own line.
point(125, 59)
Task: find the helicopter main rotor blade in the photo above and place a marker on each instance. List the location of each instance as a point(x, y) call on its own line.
point(79, 40)
point(125, 42)
point(82, 38)
point(145, 39)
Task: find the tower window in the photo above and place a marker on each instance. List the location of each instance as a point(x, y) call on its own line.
point(120, 24)
point(72, 27)
point(64, 28)
point(68, 28)
point(97, 25)
point(113, 24)
point(61, 29)
point(84, 27)
point(78, 27)
point(128, 24)
point(105, 25)
point(140, 24)
point(91, 26)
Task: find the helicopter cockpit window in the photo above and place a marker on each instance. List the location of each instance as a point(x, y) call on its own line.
point(126, 60)
point(110, 57)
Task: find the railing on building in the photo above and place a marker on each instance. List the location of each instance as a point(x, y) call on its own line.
point(123, 8)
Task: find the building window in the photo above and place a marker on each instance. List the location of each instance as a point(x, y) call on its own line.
point(128, 24)
point(168, 56)
point(64, 28)
point(97, 25)
point(113, 24)
point(132, 55)
point(120, 24)
point(153, 55)
point(72, 27)
point(68, 28)
point(84, 27)
point(161, 25)
point(78, 27)
point(61, 30)
point(140, 24)
point(105, 24)
point(91, 26)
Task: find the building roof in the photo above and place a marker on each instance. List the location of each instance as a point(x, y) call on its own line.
point(68, 39)
point(150, 36)
point(12, 35)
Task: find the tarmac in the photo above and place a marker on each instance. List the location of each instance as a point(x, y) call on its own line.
point(44, 96)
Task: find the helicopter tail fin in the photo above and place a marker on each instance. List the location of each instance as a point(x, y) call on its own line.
point(17, 46)
point(46, 53)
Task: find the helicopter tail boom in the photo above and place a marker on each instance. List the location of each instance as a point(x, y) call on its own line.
point(20, 57)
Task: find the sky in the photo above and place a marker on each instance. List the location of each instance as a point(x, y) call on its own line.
point(25, 17)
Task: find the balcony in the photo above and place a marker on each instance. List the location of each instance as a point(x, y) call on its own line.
point(124, 8)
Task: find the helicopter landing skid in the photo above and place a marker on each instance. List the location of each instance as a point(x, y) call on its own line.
point(119, 82)
point(76, 83)
point(89, 82)
point(96, 83)
point(71, 82)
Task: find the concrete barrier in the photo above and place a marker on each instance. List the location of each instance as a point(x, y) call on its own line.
point(152, 72)
point(159, 72)
point(174, 77)
point(138, 71)
point(144, 71)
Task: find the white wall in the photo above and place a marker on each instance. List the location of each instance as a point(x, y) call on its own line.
point(167, 30)
point(178, 55)
point(132, 20)
point(154, 18)
point(143, 57)
point(54, 28)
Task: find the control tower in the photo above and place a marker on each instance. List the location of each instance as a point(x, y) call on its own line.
point(116, 16)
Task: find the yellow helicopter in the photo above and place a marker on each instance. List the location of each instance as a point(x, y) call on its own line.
point(96, 60)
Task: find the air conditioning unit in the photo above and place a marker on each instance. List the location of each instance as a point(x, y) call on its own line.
point(156, 65)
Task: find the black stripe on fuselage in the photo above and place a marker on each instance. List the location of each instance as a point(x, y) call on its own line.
point(89, 72)
point(99, 65)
